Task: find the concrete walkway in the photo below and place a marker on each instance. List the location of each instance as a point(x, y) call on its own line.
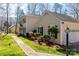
point(28, 50)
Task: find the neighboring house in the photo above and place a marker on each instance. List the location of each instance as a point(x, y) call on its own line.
point(41, 24)
point(3, 21)
point(12, 28)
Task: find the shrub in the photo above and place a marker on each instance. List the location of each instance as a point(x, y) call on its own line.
point(27, 35)
point(54, 31)
point(31, 33)
point(46, 37)
point(34, 31)
point(40, 40)
point(33, 36)
point(43, 38)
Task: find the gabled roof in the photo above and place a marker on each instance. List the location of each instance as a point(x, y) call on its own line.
point(62, 17)
point(12, 26)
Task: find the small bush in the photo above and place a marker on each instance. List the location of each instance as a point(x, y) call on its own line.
point(31, 34)
point(46, 36)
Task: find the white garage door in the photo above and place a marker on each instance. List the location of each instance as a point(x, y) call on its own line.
point(73, 36)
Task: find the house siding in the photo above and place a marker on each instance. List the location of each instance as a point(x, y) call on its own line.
point(48, 20)
point(32, 22)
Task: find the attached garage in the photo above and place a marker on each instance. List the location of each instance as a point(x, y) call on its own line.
point(73, 32)
point(73, 36)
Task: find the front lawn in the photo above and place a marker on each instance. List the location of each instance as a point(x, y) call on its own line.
point(40, 48)
point(8, 47)
point(47, 49)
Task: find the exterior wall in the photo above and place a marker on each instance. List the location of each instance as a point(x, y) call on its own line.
point(32, 22)
point(49, 20)
point(61, 33)
point(71, 26)
point(22, 21)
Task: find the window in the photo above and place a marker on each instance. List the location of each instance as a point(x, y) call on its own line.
point(40, 30)
point(49, 30)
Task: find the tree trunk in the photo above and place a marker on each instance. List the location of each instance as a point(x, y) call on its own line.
point(7, 17)
point(77, 16)
point(16, 22)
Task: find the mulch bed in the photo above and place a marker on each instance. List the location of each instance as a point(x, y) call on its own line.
point(54, 45)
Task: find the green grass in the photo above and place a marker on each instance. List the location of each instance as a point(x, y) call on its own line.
point(40, 48)
point(8, 47)
point(47, 49)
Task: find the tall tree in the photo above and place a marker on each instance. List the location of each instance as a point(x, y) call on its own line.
point(46, 6)
point(65, 11)
point(42, 8)
point(2, 13)
point(57, 7)
point(7, 16)
point(17, 14)
point(32, 8)
point(37, 8)
point(21, 12)
point(74, 9)
point(28, 9)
